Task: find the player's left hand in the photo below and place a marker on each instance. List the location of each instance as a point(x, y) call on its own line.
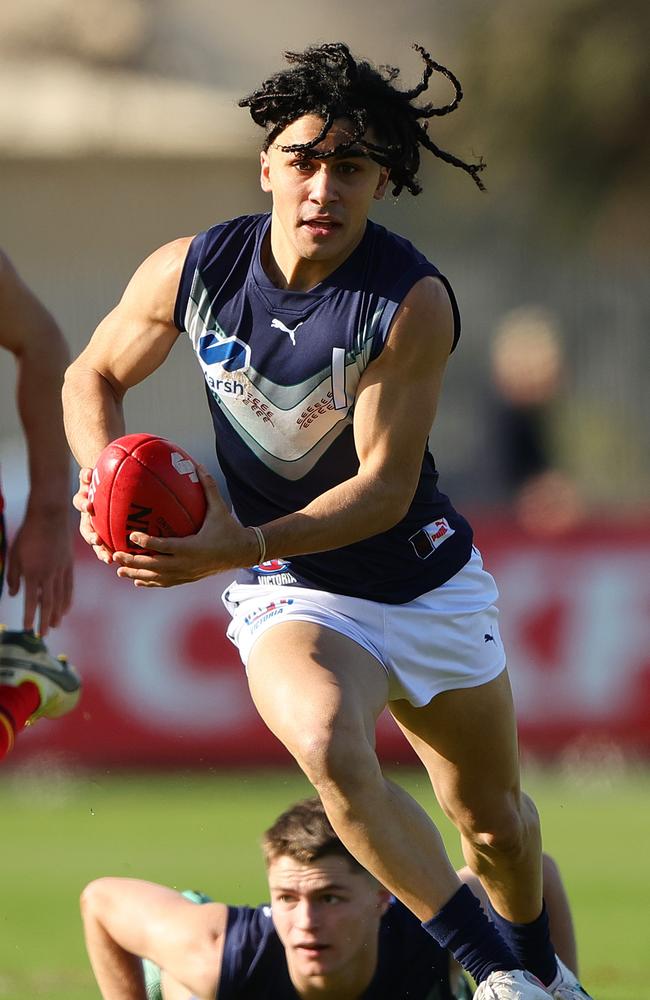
point(40, 558)
point(221, 544)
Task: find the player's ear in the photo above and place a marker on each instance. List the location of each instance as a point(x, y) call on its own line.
point(382, 183)
point(265, 180)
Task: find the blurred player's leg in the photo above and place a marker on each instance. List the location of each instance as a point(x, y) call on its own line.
point(16, 706)
point(33, 684)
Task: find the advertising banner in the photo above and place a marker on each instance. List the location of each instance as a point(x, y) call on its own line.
point(163, 686)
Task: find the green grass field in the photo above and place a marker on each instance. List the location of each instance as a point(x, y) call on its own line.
point(202, 831)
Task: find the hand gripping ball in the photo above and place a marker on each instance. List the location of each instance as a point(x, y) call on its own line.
point(145, 483)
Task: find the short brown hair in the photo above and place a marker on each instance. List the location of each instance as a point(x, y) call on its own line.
point(304, 833)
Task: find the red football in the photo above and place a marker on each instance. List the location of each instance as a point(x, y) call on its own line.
point(145, 483)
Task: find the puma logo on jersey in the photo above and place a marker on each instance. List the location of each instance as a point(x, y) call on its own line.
point(277, 324)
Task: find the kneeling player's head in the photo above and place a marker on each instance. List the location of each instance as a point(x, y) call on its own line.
point(327, 81)
point(326, 907)
point(304, 833)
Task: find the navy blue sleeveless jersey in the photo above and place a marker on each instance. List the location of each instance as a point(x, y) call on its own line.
point(281, 370)
point(411, 965)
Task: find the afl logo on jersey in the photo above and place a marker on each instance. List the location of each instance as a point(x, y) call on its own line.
point(275, 571)
point(272, 566)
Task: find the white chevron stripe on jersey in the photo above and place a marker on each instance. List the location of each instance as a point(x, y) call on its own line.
point(197, 319)
point(288, 440)
point(293, 469)
point(287, 427)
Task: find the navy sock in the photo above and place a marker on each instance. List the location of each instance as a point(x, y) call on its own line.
point(462, 927)
point(529, 943)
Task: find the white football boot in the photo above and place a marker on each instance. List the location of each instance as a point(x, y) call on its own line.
point(566, 985)
point(514, 985)
point(24, 657)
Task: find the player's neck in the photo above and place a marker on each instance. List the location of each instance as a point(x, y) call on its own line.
point(287, 269)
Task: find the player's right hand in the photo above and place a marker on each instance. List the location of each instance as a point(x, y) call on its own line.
point(81, 503)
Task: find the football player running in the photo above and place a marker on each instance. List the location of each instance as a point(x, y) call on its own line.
point(322, 435)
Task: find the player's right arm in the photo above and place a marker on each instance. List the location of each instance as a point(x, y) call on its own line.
point(127, 346)
point(126, 920)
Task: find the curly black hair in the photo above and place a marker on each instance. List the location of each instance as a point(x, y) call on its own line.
point(326, 80)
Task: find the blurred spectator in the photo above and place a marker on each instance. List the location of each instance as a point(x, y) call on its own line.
point(528, 373)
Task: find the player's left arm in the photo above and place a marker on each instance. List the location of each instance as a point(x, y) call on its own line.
point(394, 409)
point(40, 555)
point(126, 920)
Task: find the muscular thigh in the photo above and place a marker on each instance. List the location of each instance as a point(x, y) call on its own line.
point(467, 740)
point(309, 681)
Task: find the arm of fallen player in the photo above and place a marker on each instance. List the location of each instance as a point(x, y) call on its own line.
point(124, 918)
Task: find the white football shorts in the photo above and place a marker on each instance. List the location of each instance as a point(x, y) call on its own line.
point(445, 639)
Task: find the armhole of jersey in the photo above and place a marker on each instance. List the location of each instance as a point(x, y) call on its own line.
point(454, 309)
point(248, 932)
point(399, 293)
point(187, 279)
point(230, 953)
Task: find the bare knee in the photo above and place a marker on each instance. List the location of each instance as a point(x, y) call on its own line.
point(501, 827)
point(337, 759)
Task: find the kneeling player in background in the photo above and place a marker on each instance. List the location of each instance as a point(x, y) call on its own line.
point(331, 931)
point(33, 683)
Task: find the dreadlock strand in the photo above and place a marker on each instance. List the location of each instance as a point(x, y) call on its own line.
point(473, 169)
point(298, 147)
point(429, 65)
point(429, 111)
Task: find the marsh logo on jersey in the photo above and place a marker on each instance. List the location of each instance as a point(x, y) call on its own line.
point(224, 361)
point(431, 536)
point(275, 572)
